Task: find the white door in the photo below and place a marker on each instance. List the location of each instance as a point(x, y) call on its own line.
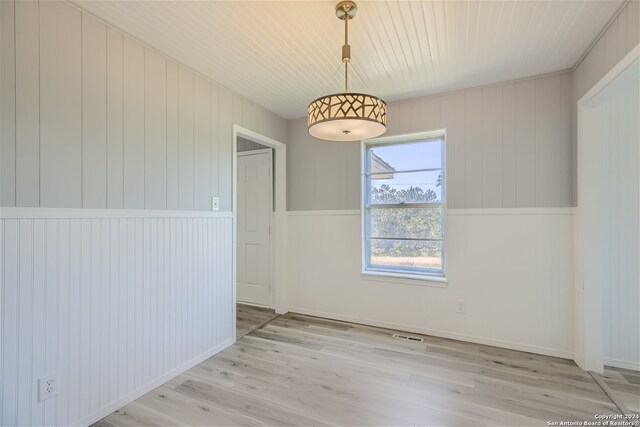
point(254, 213)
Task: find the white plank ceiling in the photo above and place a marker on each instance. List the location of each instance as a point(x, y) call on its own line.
point(283, 54)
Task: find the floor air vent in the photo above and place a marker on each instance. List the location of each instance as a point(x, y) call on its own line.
point(408, 338)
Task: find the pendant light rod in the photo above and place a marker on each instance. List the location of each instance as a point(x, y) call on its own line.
point(346, 10)
point(346, 77)
point(346, 49)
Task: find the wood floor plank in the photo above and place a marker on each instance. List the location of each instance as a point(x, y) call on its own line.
point(249, 318)
point(623, 385)
point(138, 414)
point(301, 370)
point(195, 412)
point(254, 407)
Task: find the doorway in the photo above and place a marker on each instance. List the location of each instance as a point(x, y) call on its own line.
point(259, 206)
point(607, 287)
point(255, 201)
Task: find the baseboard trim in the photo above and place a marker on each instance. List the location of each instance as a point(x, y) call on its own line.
point(624, 364)
point(153, 384)
point(436, 333)
point(252, 304)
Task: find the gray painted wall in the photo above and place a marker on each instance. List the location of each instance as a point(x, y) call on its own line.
point(94, 119)
point(508, 145)
point(622, 36)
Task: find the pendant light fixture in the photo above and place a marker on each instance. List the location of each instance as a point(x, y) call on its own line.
point(347, 116)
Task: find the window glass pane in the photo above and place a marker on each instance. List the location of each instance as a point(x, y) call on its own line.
point(409, 156)
point(407, 255)
point(414, 223)
point(407, 187)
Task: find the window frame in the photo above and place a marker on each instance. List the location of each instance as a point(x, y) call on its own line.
point(391, 272)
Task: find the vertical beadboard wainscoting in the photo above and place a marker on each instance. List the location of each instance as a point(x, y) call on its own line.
point(115, 302)
point(510, 268)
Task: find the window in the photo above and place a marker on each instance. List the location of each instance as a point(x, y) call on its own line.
point(404, 205)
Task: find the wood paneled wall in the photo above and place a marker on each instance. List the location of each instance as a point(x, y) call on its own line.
point(508, 145)
point(92, 118)
point(113, 303)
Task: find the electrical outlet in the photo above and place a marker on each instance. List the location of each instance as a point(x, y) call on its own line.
point(461, 308)
point(47, 386)
point(215, 203)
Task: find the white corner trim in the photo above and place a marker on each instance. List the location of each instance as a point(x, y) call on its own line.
point(61, 213)
point(442, 334)
point(91, 419)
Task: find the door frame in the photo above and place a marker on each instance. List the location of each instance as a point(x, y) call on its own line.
point(271, 217)
point(279, 300)
point(588, 310)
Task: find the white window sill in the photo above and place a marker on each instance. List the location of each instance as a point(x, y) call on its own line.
point(407, 279)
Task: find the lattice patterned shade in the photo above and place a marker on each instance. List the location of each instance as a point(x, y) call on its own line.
point(347, 117)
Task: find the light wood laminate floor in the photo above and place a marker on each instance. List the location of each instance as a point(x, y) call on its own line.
point(623, 386)
point(299, 370)
point(249, 317)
